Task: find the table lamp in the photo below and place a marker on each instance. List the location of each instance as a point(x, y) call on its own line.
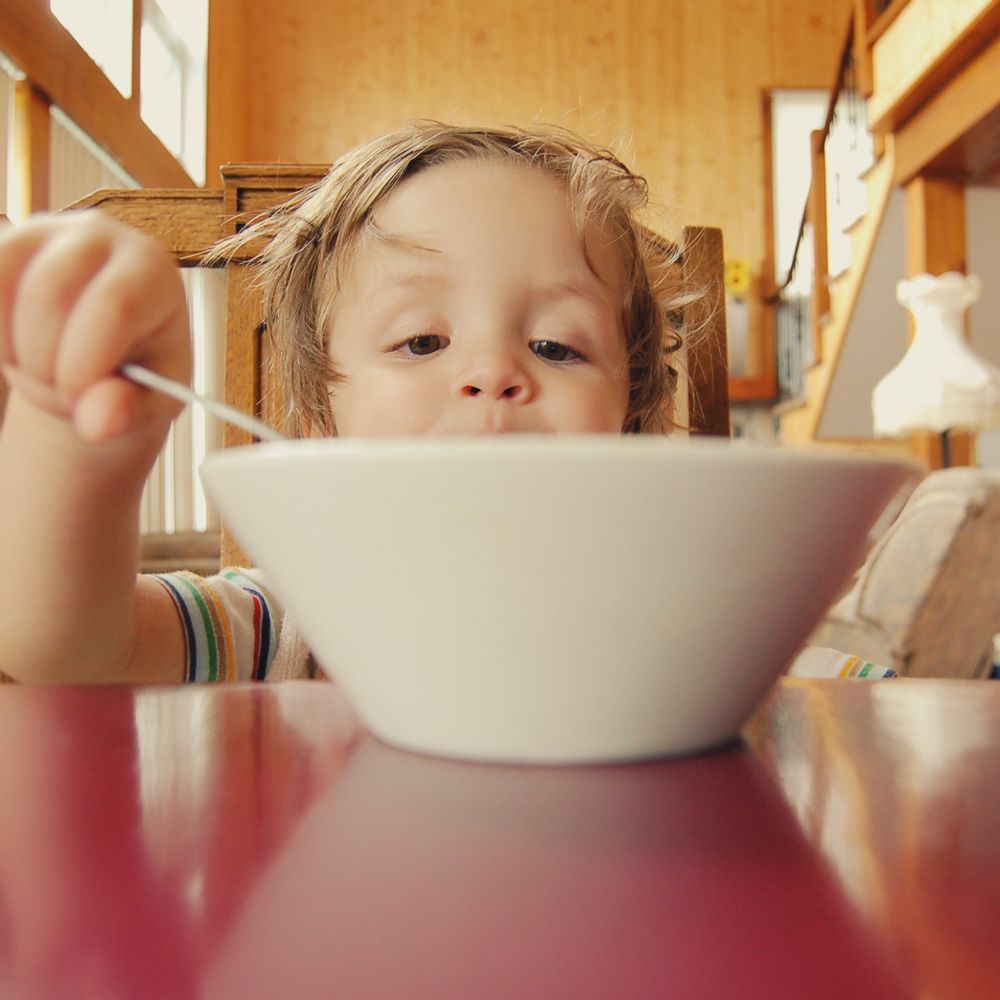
point(941, 384)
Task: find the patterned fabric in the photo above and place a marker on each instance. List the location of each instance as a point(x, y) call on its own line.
point(231, 623)
point(817, 661)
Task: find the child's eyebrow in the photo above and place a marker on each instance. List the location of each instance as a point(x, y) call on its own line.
point(415, 279)
point(544, 295)
point(409, 244)
point(396, 240)
point(570, 289)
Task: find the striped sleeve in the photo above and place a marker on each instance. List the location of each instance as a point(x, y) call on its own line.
point(230, 622)
point(818, 661)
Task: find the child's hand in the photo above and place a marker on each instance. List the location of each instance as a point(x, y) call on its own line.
point(80, 295)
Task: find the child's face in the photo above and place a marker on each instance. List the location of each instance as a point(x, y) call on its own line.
point(483, 316)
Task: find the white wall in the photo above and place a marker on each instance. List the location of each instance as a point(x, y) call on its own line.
point(982, 207)
point(878, 334)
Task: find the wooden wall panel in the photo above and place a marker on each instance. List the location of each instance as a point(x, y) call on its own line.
point(677, 84)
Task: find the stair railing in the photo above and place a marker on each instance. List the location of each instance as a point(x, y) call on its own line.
point(841, 152)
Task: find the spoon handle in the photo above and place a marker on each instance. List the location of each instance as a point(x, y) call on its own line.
point(136, 373)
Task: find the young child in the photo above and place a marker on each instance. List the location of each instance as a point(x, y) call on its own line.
point(440, 280)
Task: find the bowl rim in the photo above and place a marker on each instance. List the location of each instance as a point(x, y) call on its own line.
point(611, 447)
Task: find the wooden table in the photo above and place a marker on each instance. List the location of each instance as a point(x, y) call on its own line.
point(252, 841)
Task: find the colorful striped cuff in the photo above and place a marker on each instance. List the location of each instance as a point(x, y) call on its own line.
point(229, 628)
point(860, 669)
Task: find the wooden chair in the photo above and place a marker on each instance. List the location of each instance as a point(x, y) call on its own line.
point(188, 222)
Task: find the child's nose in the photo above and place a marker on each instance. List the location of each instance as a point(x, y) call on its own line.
point(496, 376)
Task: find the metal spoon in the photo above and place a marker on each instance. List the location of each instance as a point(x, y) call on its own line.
point(143, 376)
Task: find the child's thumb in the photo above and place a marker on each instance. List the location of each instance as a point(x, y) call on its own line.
point(114, 407)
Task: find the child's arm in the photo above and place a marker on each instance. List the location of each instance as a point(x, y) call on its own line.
point(79, 296)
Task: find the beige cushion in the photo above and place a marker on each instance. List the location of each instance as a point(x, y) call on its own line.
point(927, 599)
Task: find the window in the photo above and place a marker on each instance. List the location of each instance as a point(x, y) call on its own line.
point(162, 85)
point(795, 114)
point(173, 53)
point(104, 30)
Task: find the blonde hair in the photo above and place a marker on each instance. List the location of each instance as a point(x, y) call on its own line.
point(310, 239)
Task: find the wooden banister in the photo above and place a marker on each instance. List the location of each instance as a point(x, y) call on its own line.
point(814, 210)
point(879, 18)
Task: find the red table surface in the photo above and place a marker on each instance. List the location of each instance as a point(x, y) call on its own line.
point(253, 841)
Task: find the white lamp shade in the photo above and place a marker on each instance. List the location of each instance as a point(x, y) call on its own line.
point(941, 383)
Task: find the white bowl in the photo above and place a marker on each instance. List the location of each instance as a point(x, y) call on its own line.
point(552, 599)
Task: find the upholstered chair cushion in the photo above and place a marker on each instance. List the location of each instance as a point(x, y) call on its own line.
point(927, 599)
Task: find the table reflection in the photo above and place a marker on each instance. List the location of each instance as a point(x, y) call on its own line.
point(897, 785)
point(417, 876)
point(134, 823)
point(253, 841)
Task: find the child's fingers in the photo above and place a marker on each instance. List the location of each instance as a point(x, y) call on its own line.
point(112, 407)
point(50, 284)
point(39, 394)
point(17, 249)
point(136, 301)
point(79, 296)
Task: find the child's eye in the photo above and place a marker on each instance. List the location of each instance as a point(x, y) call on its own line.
point(551, 350)
point(422, 345)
